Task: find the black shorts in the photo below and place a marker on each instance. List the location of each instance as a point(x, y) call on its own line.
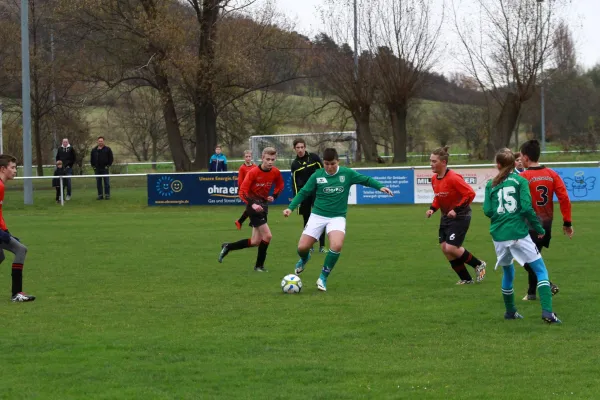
point(306, 206)
point(543, 242)
point(257, 218)
point(454, 231)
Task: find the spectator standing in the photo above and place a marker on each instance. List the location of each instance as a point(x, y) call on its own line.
point(101, 160)
point(58, 172)
point(66, 154)
point(218, 161)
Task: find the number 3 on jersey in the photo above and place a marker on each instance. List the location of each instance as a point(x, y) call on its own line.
point(506, 200)
point(543, 190)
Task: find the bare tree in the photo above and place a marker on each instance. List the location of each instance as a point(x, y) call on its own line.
point(404, 37)
point(140, 125)
point(504, 51)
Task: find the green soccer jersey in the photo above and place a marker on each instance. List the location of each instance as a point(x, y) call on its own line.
point(509, 206)
point(331, 191)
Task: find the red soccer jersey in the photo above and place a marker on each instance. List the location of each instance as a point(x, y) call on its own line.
point(258, 184)
point(543, 184)
point(2, 223)
point(451, 192)
point(242, 172)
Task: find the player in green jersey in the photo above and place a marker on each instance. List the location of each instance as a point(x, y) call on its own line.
point(508, 204)
point(331, 187)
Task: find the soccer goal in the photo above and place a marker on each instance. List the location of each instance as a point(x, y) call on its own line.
point(344, 142)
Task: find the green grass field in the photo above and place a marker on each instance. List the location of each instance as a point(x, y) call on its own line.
point(132, 304)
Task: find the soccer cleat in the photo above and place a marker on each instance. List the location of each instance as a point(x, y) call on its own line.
point(100, 198)
point(550, 318)
point(238, 225)
point(322, 249)
point(22, 297)
point(68, 197)
point(321, 285)
point(554, 289)
point(512, 315)
point(480, 270)
point(260, 269)
point(107, 197)
point(465, 282)
point(529, 297)
point(224, 251)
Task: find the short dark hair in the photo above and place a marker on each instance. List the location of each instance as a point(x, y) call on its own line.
point(296, 141)
point(330, 154)
point(531, 149)
point(100, 137)
point(442, 153)
point(6, 159)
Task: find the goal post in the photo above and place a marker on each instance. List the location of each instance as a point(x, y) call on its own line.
point(344, 142)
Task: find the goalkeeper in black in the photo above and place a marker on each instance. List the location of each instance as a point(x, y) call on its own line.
point(303, 166)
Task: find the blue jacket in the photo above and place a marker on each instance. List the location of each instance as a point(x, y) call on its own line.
point(218, 162)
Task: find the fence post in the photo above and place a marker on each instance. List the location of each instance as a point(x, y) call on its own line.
point(62, 192)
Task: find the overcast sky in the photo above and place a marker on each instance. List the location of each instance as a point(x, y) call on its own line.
point(583, 17)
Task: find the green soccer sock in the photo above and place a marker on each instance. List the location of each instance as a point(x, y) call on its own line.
point(545, 296)
point(509, 300)
point(304, 256)
point(330, 260)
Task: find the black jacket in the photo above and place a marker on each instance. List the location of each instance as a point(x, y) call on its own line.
point(66, 155)
point(58, 172)
point(101, 158)
point(303, 168)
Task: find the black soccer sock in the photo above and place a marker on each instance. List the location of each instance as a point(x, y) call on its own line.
point(305, 217)
point(459, 267)
point(17, 278)
point(243, 218)
point(322, 239)
point(240, 244)
point(470, 259)
point(532, 280)
point(262, 253)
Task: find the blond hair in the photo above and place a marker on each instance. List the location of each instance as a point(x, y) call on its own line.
point(506, 160)
point(247, 152)
point(271, 151)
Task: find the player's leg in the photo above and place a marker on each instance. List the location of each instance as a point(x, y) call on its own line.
point(336, 232)
point(525, 251)
point(531, 277)
point(20, 252)
point(264, 239)
point(458, 233)
point(240, 221)
point(505, 259)
point(448, 244)
point(255, 220)
point(313, 229)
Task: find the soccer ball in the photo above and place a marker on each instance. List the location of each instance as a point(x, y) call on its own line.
point(291, 284)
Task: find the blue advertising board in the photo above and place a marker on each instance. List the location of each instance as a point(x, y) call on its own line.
point(400, 181)
point(202, 188)
point(582, 183)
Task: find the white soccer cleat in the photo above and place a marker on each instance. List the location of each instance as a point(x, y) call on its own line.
point(321, 285)
point(480, 270)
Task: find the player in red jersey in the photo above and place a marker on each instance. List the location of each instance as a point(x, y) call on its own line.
point(8, 170)
point(255, 193)
point(454, 197)
point(543, 184)
point(242, 172)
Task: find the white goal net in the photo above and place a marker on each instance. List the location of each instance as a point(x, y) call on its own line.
point(344, 142)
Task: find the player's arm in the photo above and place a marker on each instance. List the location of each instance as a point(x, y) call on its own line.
point(294, 168)
point(563, 199)
point(279, 185)
point(527, 210)
point(488, 210)
point(224, 163)
point(245, 188)
point(306, 191)
point(435, 204)
point(359, 179)
point(317, 159)
point(241, 176)
point(466, 192)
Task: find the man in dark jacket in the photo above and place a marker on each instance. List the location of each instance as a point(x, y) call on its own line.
point(303, 166)
point(66, 154)
point(101, 160)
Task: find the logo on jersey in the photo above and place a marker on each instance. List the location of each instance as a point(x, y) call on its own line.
point(321, 180)
point(342, 179)
point(332, 190)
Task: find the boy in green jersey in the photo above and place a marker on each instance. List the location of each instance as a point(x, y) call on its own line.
point(508, 204)
point(331, 187)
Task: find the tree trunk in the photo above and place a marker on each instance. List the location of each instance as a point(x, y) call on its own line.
point(205, 129)
point(398, 120)
point(365, 137)
point(505, 124)
point(180, 157)
point(154, 151)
